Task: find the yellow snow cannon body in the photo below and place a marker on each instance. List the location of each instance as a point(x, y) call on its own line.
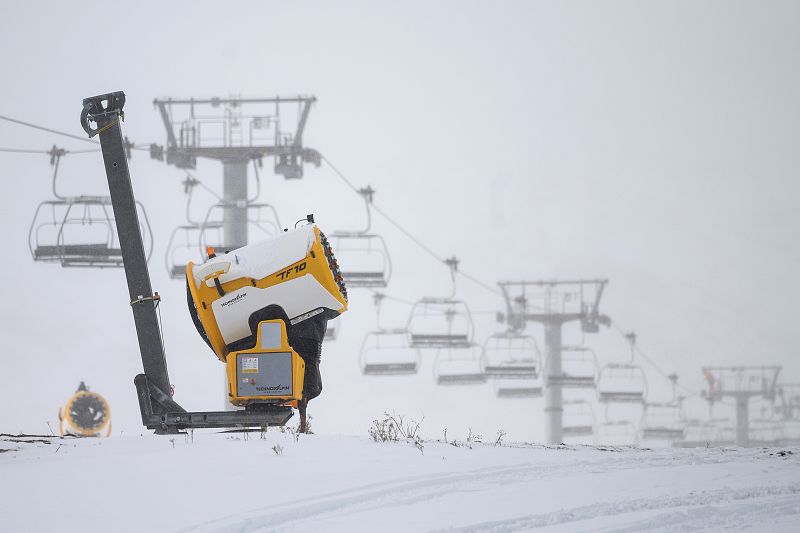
point(263, 309)
point(86, 414)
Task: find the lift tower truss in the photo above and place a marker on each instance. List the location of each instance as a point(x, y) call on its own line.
point(554, 303)
point(742, 383)
point(236, 131)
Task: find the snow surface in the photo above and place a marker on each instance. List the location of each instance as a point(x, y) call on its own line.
point(217, 482)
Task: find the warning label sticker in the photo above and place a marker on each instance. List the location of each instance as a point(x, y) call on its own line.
point(250, 365)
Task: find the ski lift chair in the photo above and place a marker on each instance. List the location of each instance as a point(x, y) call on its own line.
point(578, 369)
point(440, 323)
point(726, 431)
point(765, 432)
point(616, 433)
point(262, 222)
point(332, 331)
point(184, 246)
point(363, 255)
point(578, 419)
point(80, 231)
point(703, 433)
point(387, 353)
point(621, 383)
point(511, 356)
point(791, 432)
point(364, 259)
point(189, 242)
point(459, 366)
point(663, 421)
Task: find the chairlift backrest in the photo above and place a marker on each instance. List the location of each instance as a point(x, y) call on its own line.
point(616, 432)
point(577, 419)
point(622, 383)
point(509, 355)
point(363, 255)
point(386, 352)
point(440, 323)
point(578, 369)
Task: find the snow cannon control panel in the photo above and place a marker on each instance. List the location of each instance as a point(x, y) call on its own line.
point(270, 372)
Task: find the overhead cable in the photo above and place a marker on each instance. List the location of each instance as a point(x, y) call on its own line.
point(406, 232)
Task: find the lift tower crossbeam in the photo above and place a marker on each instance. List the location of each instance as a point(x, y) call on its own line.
point(553, 303)
point(236, 131)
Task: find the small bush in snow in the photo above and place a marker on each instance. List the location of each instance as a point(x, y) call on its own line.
point(278, 449)
point(393, 427)
point(383, 431)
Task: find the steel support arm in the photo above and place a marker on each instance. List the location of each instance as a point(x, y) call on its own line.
point(158, 410)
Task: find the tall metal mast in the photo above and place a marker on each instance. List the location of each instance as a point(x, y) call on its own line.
point(553, 304)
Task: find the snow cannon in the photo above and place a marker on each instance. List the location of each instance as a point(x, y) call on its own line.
point(263, 309)
point(86, 414)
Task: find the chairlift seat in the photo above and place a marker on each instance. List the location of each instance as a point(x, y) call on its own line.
point(700, 434)
point(428, 340)
point(566, 381)
point(364, 279)
point(80, 254)
point(177, 272)
point(440, 323)
point(466, 378)
point(511, 356)
point(387, 353)
point(621, 383)
point(577, 431)
point(620, 397)
point(389, 369)
point(80, 232)
point(459, 367)
point(511, 371)
point(515, 392)
point(365, 255)
point(616, 433)
point(663, 433)
point(577, 419)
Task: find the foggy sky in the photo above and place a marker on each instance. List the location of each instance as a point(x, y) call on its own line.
point(652, 143)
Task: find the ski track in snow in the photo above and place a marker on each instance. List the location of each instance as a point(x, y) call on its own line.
point(733, 504)
point(722, 509)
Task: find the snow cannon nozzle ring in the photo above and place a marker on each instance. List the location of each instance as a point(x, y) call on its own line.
point(103, 115)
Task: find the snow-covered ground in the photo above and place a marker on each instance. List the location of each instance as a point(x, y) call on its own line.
point(235, 482)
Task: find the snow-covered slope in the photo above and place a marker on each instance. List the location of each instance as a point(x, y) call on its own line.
point(235, 482)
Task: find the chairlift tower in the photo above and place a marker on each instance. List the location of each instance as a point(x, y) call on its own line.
point(742, 383)
point(236, 131)
point(553, 304)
